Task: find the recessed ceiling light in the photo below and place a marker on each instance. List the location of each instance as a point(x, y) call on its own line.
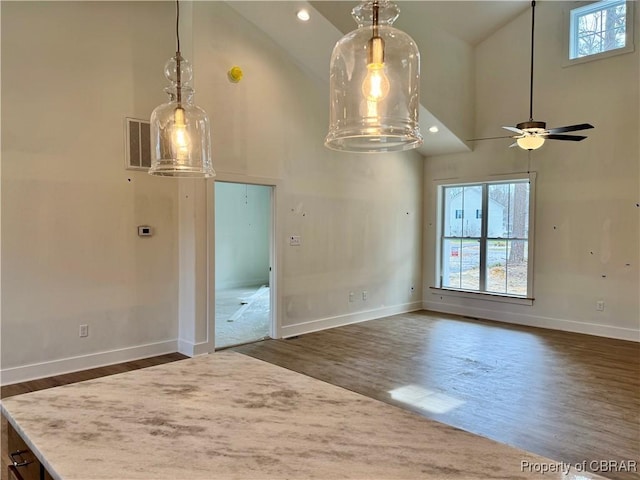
point(433, 129)
point(303, 15)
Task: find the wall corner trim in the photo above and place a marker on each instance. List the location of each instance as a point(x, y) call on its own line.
point(191, 349)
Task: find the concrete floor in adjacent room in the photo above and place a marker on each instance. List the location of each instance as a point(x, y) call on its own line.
point(242, 315)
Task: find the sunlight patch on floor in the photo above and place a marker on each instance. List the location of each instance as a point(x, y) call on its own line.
point(425, 399)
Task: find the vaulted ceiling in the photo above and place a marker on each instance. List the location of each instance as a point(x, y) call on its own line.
point(471, 21)
point(310, 44)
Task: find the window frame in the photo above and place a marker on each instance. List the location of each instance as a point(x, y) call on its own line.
point(569, 14)
point(440, 239)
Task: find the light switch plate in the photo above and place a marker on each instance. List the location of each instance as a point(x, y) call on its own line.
point(295, 240)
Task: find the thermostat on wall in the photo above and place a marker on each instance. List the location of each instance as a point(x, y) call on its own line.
point(144, 231)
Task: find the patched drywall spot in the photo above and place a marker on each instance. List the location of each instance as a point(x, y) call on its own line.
point(298, 209)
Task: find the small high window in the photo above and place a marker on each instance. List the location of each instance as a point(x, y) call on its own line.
point(600, 27)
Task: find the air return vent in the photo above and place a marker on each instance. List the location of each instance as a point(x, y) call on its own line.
point(137, 144)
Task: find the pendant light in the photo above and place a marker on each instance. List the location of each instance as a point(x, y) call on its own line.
point(180, 137)
point(374, 84)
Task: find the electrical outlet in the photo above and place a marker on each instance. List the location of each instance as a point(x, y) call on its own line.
point(352, 297)
point(600, 305)
point(365, 295)
point(84, 330)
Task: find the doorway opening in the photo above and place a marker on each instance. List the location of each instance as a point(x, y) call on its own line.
point(243, 311)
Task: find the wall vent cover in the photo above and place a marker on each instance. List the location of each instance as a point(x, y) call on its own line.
point(137, 144)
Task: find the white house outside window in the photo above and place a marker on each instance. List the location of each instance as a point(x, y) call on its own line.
point(484, 241)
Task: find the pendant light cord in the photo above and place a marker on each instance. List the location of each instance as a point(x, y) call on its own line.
point(178, 57)
point(533, 23)
point(178, 25)
point(376, 7)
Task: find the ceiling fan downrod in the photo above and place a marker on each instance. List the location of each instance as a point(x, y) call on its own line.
point(533, 24)
point(531, 123)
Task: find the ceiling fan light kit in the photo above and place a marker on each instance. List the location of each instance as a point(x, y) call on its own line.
point(530, 142)
point(532, 134)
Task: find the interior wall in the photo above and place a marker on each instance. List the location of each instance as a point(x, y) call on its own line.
point(358, 216)
point(447, 80)
point(586, 219)
point(242, 216)
point(71, 73)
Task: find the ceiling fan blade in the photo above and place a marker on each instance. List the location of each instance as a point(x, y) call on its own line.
point(514, 129)
point(514, 144)
point(486, 138)
point(573, 138)
point(571, 128)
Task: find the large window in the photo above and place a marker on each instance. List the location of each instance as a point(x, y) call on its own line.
point(484, 241)
point(600, 27)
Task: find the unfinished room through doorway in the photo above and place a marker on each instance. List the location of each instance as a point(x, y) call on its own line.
point(243, 312)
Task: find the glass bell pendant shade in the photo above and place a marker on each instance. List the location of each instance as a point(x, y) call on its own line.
point(180, 133)
point(374, 85)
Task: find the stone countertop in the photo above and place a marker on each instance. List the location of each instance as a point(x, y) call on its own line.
point(228, 416)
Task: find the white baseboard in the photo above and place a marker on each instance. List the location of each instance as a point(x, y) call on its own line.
point(242, 283)
point(341, 320)
point(194, 349)
point(537, 321)
point(84, 362)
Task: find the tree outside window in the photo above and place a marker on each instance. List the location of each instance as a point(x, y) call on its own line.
point(598, 28)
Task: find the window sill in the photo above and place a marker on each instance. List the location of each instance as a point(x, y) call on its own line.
point(490, 297)
point(598, 56)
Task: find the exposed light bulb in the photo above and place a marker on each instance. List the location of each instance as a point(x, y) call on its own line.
point(530, 142)
point(375, 86)
point(180, 136)
point(434, 129)
point(303, 15)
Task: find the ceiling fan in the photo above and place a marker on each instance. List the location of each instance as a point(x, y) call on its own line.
point(531, 135)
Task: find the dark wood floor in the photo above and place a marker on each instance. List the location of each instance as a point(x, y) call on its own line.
point(565, 396)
